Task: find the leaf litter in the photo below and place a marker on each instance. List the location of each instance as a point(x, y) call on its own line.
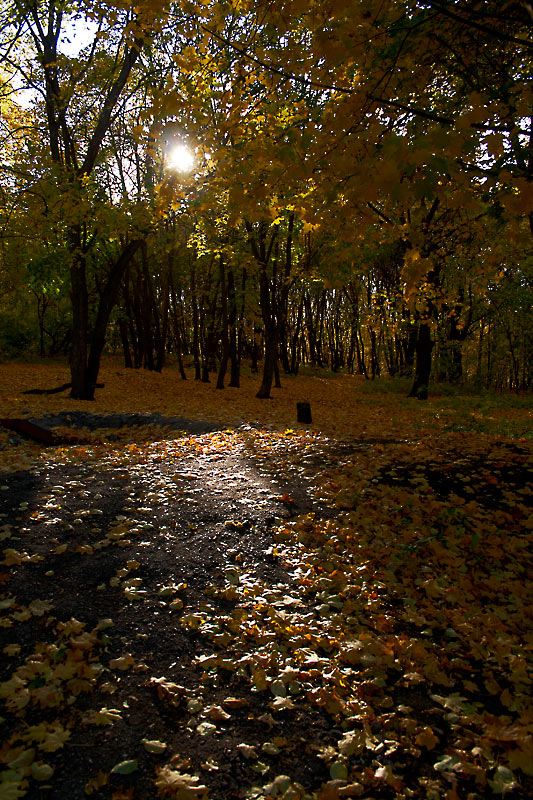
point(262, 611)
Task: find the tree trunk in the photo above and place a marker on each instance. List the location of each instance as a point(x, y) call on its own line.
point(310, 326)
point(80, 324)
point(123, 328)
point(234, 333)
point(268, 364)
point(224, 323)
point(424, 346)
point(177, 330)
point(374, 362)
point(254, 354)
point(361, 362)
point(210, 342)
point(295, 338)
point(105, 306)
point(195, 325)
point(161, 341)
point(270, 336)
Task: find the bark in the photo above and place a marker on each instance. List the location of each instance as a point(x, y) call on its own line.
point(234, 333)
point(270, 336)
point(295, 338)
point(225, 324)
point(161, 339)
point(105, 306)
point(424, 347)
point(130, 315)
point(81, 390)
point(195, 324)
point(254, 354)
point(177, 328)
point(282, 306)
point(42, 305)
point(267, 300)
point(84, 371)
point(277, 381)
point(269, 362)
point(374, 361)
point(210, 342)
point(360, 346)
point(123, 328)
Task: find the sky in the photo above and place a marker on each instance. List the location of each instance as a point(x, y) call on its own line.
point(77, 36)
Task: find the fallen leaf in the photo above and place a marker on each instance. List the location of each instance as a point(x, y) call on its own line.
point(125, 767)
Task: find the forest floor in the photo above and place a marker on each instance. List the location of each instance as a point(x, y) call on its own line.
point(201, 598)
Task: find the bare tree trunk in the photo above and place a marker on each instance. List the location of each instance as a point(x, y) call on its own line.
point(224, 323)
point(424, 346)
point(177, 331)
point(105, 306)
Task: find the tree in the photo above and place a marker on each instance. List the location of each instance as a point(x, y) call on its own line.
point(400, 100)
point(395, 135)
point(74, 143)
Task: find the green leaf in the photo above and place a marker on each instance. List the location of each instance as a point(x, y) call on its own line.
point(446, 763)
point(41, 771)
point(278, 689)
point(503, 781)
point(338, 771)
point(125, 767)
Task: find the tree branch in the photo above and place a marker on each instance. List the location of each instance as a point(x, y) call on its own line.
point(107, 109)
point(470, 23)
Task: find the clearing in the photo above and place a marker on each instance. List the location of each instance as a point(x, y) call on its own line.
point(235, 606)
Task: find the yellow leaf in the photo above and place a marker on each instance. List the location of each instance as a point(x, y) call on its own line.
point(154, 746)
point(122, 663)
point(259, 679)
point(106, 716)
point(39, 607)
point(426, 738)
point(92, 785)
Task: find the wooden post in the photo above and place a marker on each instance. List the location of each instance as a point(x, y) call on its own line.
point(303, 412)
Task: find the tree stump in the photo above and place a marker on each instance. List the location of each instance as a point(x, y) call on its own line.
point(303, 412)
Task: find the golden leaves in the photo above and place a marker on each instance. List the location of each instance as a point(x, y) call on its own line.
point(426, 738)
point(390, 597)
point(122, 663)
point(179, 785)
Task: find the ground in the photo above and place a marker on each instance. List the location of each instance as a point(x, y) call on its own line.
point(223, 606)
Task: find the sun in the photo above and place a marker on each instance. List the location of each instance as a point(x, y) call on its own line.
point(181, 158)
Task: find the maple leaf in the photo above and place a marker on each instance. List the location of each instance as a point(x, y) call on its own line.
point(96, 783)
point(106, 716)
point(180, 785)
point(426, 738)
point(13, 786)
point(40, 607)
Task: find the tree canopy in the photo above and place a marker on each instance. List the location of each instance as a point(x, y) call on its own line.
point(372, 160)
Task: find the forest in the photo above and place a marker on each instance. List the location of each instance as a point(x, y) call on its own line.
point(354, 190)
point(240, 241)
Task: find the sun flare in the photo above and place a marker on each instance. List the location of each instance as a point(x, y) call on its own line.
point(181, 158)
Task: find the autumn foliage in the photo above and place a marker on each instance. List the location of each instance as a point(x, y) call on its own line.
point(210, 213)
point(360, 196)
point(268, 610)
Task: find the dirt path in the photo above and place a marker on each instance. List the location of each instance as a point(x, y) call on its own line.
point(164, 628)
point(139, 541)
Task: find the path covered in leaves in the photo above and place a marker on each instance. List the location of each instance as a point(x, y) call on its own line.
point(267, 612)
